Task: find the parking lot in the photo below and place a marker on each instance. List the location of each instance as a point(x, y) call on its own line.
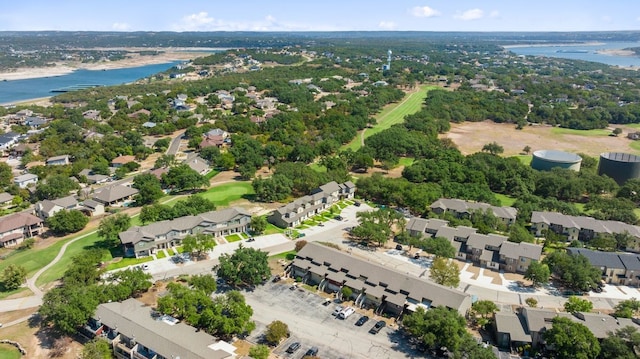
point(312, 324)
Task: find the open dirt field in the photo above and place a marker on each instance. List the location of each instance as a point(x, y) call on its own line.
point(471, 136)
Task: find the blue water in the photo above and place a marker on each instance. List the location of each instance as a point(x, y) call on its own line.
point(20, 90)
point(587, 52)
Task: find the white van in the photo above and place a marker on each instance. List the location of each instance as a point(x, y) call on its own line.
point(346, 312)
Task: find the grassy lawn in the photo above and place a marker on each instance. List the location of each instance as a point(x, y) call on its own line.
point(211, 174)
point(406, 161)
point(271, 229)
point(318, 167)
point(635, 145)
point(160, 254)
point(286, 255)
point(224, 194)
point(233, 238)
point(525, 159)
point(179, 250)
point(504, 199)
point(125, 262)
point(393, 114)
point(568, 131)
point(9, 352)
point(3, 295)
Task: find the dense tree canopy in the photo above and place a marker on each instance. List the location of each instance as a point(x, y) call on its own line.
point(246, 266)
point(571, 340)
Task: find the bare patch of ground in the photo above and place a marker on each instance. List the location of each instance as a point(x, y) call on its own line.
point(242, 347)
point(475, 270)
point(495, 276)
point(471, 136)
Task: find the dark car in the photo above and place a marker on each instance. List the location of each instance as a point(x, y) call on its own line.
point(363, 319)
point(313, 351)
point(293, 347)
point(357, 204)
point(399, 247)
point(376, 328)
point(251, 239)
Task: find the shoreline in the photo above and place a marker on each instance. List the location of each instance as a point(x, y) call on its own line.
point(39, 101)
point(65, 68)
point(551, 44)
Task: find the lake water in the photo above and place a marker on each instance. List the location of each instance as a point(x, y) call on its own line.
point(584, 52)
point(20, 90)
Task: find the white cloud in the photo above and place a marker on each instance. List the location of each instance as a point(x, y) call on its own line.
point(472, 14)
point(424, 11)
point(494, 13)
point(201, 21)
point(121, 26)
point(387, 25)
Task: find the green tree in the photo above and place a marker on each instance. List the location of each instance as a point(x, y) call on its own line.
point(13, 276)
point(67, 308)
point(204, 282)
point(346, 293)
point(571, 340)
point(531, 302)
point(437, 327)
point(575, 304)
point(258, 224)
point(439, 246)
point(276, 331)
point(132, 282)
point(445, 272)
point(65, 222)
point(162, 144)
point(198, 244)
point(493, 148)
point(110, 227)
point(166, 161)
point(149, 188)
point(614, 347)
point(485, 308)
point(96, 349)
point(616, 131)
point(518, 233)
point(259, 351)
point(6, 174)
point(182, 177)
point(246, 266)
point(55, 186)
point(627, 308)
point(538, 273)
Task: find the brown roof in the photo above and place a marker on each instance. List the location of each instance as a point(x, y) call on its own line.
point(18, 220)
point(123, 159)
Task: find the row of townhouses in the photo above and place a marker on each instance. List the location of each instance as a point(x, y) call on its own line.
point(583, 228)
point(140, 241)
point(617, 268)
point(492, 251)
point(294, 213)
point(463, 209)
point(134, 330)
point(372, 285)
point(527, 325)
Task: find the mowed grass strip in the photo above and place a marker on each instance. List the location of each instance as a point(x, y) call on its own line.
point(393, 114)
point(226, 193)
point(587, 133)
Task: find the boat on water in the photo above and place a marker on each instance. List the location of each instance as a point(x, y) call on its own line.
point(75, 88)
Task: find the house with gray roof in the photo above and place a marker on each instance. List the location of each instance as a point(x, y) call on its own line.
point(23, 181)
point(321, 198)
point(116, 195)
point(516, 257)
point(419, 227)
point(17, 227)
point(583, 228)
point(5, 199)
point(47, 208)
point(140, 241)
point(617, 268)
point(93, 178)
point(198, 164)
point(135, 330)
point(58, 160)
point(373, 286)
point(463, 209)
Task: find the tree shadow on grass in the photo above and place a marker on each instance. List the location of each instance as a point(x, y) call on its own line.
point(105, 245)
point(251, 197)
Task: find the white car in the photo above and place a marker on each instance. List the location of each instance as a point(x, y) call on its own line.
point(346, 312)
point(337, 310)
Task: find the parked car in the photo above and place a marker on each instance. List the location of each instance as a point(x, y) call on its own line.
point(363, 319)
point(251, 239)
point(399, 247)
point(357, 204)
point(313, 351)
point(346, 312)
point(293, 347)
point(337, 310)
point(376, 328)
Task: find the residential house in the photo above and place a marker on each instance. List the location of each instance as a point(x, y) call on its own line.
point(8, 140)
point(485, 249)
point(149, 124)
point(47, 208)
point(25, 180)
point(93, 115)
point(116, 195)
point(17, 227)
point(158, 172)
point(35, 122)
point(198, 164)
point(372, 285)
point(93, 178)
point(58, 160)
point(616, 268)
point(140, 241)
point(516, 257)
point(134, 330)
point(215, 137)
point(418, 227)
point(583, 228)
point(122, 160)
point(463, 209)
point(5, 199)
point(140, 112)
point(91, 208)
point(294, 213)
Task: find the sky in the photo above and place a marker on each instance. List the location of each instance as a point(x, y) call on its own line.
point(323, 15)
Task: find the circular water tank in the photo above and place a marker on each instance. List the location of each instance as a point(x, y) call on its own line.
point(619, 166)
point(544, 160)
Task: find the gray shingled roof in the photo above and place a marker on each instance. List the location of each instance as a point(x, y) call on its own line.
point(522, 249)
point(133, 319)
point(114, 193)
point(507, 322)
point(150, 232)
point(461, 206)
point(314, 256)
point(599, 259)
point(584, 222)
